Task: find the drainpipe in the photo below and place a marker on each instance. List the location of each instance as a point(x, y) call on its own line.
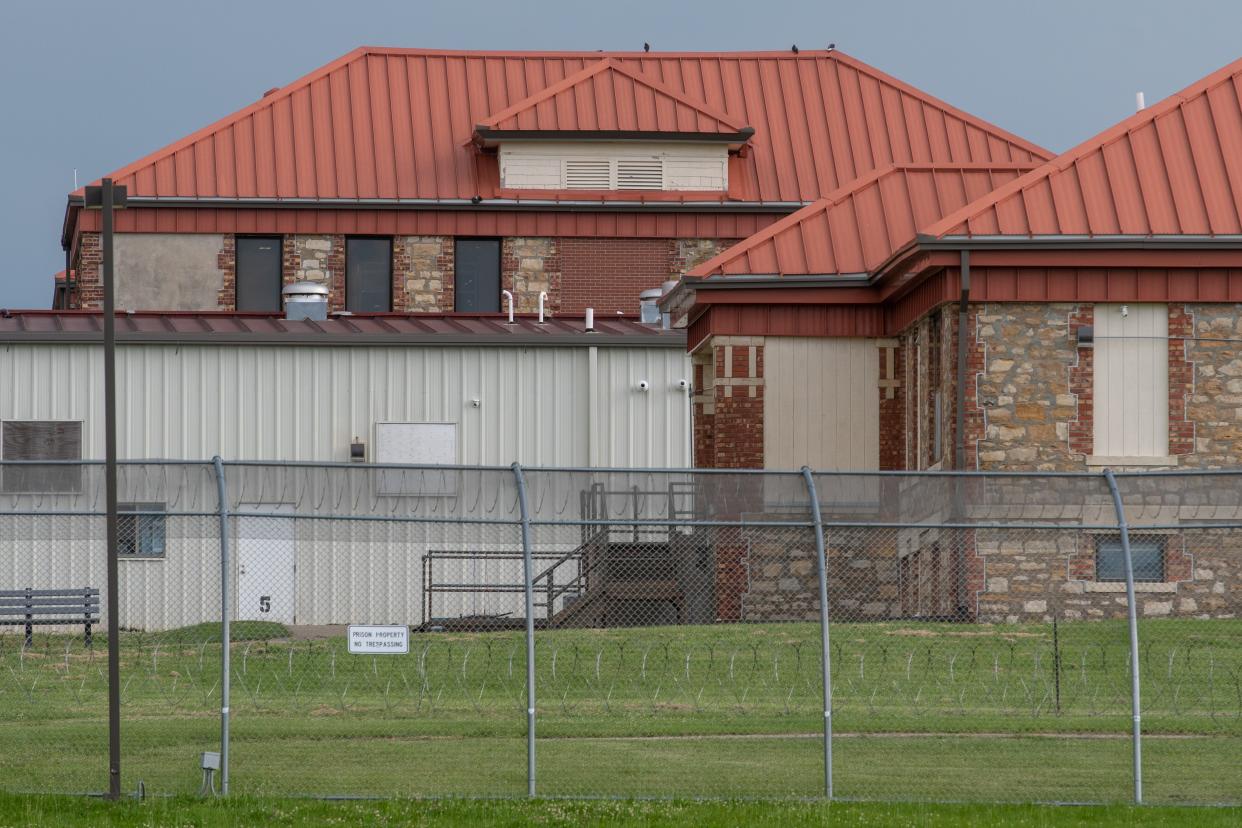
point(962, 610)
point(959, 449)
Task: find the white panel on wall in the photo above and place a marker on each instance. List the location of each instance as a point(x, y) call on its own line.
point(1131, 381)
point(614, 165)
point(821, 403)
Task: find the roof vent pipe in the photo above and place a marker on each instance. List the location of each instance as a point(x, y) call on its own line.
point(590, 320)
point(1139, 103)
point(543, 295)
point(649, 306)
point(509, 299)
point(305, 300)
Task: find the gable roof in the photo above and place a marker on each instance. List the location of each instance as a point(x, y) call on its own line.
point(386, 124)
point(607, 97)
point(858, 227)
point(1174, 168)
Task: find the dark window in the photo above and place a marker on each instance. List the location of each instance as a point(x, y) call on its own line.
point(258, 274)
point(41, 440)
point(140, 535)
point(476, 279)
point(368, 275)
point(1147, 554)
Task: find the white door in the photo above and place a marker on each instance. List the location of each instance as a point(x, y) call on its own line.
point(266, 556)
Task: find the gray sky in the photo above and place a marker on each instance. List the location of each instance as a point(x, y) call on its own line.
point(95, 85)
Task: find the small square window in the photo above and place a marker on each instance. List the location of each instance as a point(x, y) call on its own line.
point(141, 534)
point(1146, 552)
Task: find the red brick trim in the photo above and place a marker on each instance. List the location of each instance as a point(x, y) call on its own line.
point(973, 417)
point(1082, 386)
point(226, 260)
point(1181, 380)
point(892, 391)
point(88, 266)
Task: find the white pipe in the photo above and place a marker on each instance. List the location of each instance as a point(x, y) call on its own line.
point(509, 296)
point(1139, 102)
point(543, 294)
point(590, 319)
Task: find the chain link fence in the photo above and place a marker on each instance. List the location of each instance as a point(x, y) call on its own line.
point(403, 631)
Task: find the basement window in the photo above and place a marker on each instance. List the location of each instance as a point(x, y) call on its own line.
point(141, 533)
point(1146, 552)
point(41, 440)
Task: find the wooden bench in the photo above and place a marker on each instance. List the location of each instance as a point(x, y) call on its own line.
point(28, 607)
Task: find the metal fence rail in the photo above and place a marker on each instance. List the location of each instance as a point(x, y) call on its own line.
point(344, 629)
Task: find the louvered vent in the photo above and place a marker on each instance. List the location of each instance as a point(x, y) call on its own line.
point(640, 175)
point(581, 174)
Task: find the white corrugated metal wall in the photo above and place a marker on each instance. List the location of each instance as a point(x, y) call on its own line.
point(540, 406)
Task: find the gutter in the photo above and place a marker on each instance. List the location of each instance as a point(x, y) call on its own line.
point(673, 339)
point(1078, 242)
point(482, 204)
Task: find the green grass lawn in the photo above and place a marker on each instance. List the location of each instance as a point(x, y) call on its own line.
point(923, 712)
point(65, 812)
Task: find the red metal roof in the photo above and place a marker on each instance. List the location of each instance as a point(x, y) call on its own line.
point(1173, 168)
point(858, 227)
point(608, 97)
point(357, 329)
point(397, 124)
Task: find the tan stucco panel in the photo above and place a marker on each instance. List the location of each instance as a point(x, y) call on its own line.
point(168, 271)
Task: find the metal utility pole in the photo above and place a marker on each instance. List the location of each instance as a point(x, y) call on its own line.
point(106, 198)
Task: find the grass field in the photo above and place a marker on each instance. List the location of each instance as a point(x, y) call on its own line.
point(77, 813)
point(923, 712)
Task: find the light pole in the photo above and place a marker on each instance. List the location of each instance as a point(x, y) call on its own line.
point(106, 197)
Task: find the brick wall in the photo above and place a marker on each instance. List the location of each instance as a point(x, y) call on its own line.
point(892, 404)
point(1181, 380)
point(608, 274)
point(87, 264)
point(227, 262)
point(739, 398)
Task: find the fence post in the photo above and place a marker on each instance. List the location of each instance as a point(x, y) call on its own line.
point(225, 612)
point(527, 574)
point(821, 569)
point(1132, 613)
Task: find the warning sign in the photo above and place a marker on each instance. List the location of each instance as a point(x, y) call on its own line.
point(370, 639)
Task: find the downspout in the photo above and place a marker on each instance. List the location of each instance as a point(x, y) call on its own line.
point(959, 450)
point(961, 610)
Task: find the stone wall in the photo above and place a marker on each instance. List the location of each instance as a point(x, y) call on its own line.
point(319, 259)
point(1037, 575)
point(1024, 387)
point(423, 269)
point(782, 583)
point(1214, 393)
point(528, 266)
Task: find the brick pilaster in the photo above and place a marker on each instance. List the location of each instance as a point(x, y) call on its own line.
point(226, 260)
point(1181, 380)
point(87, 265)
point(1082, 386)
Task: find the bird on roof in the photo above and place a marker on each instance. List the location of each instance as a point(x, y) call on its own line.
point(646, 46)
point(794, 48)
point(831, 46)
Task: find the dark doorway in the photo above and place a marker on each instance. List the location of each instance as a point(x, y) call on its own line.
point(368, 275)
point(476, 282)
point(258, 274)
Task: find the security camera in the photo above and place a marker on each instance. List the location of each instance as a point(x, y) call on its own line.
point(1125, 311)
point(683, 385)
point(475, 403)
point(643, 385)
